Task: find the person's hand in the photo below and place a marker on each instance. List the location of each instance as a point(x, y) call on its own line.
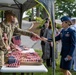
point(35, 37)
point(8, 48)
point(69, 57)
point(13, 47)
point(44, 39)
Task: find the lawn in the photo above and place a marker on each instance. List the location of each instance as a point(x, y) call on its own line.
point(50, 70)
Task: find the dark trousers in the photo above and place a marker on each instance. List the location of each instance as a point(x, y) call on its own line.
point(49, 61)
point(43, 51)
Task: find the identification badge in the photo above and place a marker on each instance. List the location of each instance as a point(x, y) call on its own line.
point(67, 34)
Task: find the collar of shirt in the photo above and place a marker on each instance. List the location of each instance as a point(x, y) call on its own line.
point(66, 29)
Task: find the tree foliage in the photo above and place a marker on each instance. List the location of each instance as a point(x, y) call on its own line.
point(65, 8)
point(29, 12)
point(62, 7)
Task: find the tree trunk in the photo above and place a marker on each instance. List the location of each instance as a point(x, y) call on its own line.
point(32, 14)
point(37, 12)
point(45, 15)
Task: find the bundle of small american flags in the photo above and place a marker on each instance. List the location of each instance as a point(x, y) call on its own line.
point(31, 59)
point(14, 59)
point(17, 58)
point(15, 64)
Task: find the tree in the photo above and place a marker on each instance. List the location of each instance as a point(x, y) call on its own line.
point(30, 12)
point(37, 11)
point(65, 8)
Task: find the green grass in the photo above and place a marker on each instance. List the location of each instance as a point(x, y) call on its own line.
point(50, 70)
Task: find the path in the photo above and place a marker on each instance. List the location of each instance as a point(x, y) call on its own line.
point(26, 40)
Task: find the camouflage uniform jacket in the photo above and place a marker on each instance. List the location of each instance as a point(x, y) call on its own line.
point(10, 29)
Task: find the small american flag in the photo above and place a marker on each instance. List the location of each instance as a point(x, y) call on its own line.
point(16, 64)
point(17, 55)
point(16, 40)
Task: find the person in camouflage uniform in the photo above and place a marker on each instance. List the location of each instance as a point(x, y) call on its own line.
point(10, 28)
point(7, 29)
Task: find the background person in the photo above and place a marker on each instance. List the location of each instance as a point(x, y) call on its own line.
point(42, 31)
point(48, 46)
point(74, 54)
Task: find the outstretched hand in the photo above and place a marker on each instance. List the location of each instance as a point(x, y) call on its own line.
point(43, 39)
point(35, 37)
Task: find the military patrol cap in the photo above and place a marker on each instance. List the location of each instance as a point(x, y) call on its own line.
point(66, 18)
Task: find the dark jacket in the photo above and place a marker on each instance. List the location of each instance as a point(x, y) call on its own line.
point(41, 34)
point(68, 38)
